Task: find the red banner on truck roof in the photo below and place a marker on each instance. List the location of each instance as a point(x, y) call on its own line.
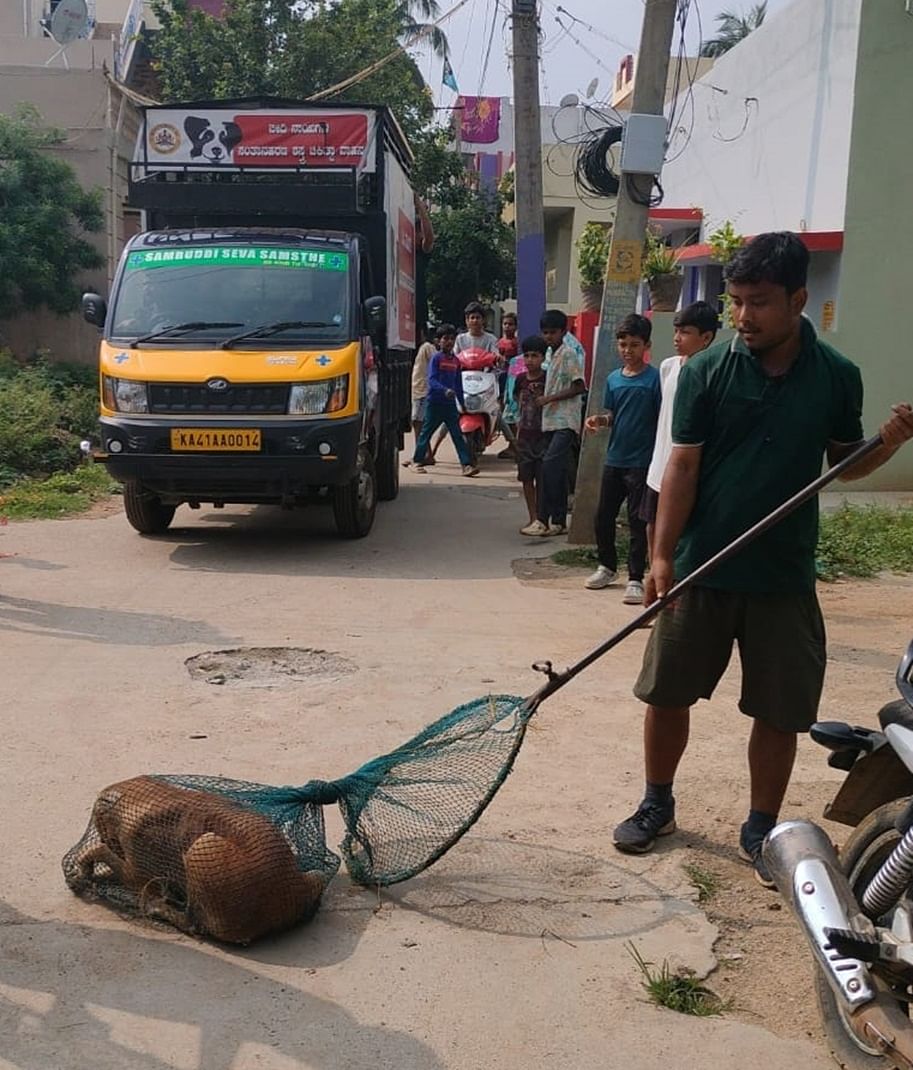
point(223, 138)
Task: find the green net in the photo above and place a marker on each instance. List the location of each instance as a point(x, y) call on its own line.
point(404, 810)
point(236, 860)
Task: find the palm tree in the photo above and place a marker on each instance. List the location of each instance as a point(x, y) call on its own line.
point(425, 9)
point(732, 29)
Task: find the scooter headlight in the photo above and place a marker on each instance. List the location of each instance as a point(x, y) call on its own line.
point(473, 403)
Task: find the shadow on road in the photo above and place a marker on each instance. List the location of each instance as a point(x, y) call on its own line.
point(74, 996)
point(515, 887)
point(428, 533)
point(33, 562)
point(119, 627)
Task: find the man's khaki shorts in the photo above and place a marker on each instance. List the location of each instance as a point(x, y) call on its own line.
point(781, 646)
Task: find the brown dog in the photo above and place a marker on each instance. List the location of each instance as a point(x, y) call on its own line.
point(198, 861)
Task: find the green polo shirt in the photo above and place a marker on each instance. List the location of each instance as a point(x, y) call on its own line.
point(763, 440)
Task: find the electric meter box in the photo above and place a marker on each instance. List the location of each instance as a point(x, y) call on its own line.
point(643, 146)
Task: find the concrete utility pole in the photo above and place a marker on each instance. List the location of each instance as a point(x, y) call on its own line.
point(623, 270)
point(530, 218)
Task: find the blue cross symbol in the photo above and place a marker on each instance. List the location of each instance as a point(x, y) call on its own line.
point(121, 358)
point(324, 360)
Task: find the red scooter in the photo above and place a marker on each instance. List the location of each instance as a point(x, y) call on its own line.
point(480, 413)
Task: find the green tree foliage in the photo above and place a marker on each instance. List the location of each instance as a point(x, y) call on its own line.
point(732, 28)
point(439, 173)
point(44, 213)
point(294, 48)
point(473, 256)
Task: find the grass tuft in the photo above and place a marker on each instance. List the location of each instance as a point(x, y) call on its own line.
point(703, 880)
point(58, 495)
point(681, 992)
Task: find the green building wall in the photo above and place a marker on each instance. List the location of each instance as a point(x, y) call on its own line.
point(876, 280)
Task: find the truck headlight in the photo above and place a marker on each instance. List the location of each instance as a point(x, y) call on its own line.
point(124, 395)
point(315, 399)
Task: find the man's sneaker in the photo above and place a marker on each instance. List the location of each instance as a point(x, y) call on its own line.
point(750, 852)
point(420, 468)
point(556, 529)
point(535, 528)
point(602, 577)
point(470, 470)
point(634, 593)
point(638, 833)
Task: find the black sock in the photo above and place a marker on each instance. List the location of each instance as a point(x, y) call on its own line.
point(759, 823)
point(659, 794)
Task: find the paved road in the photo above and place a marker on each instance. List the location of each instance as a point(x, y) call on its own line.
point(509, 953)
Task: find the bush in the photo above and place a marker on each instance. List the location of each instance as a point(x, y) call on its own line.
point(59, 495)
point(45, 411)
point(865, 540)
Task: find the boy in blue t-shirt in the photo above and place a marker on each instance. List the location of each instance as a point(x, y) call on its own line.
point(632, 402)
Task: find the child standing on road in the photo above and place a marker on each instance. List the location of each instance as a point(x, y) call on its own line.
point(508, 343)
point(531, 441)
point(695, 328)
point(475, 336)
point(561, 416)
point(420, 388)
point(445, 387)
point(632, 403)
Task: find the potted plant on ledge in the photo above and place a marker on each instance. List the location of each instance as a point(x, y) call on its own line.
point(662, 274)
point(592, 257)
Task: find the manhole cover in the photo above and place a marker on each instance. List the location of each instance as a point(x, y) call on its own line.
point(267, 666)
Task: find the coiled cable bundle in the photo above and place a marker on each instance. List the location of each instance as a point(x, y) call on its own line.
point(593, 168)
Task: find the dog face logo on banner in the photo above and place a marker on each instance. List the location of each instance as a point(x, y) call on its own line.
point(216, 149)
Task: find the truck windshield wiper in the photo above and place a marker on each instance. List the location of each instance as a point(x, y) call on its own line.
point(267, 329)
point(182, 328)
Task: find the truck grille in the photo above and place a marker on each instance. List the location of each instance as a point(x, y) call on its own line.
point(193, 399)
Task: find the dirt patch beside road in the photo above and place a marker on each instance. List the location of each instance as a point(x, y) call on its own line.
point(764, 966)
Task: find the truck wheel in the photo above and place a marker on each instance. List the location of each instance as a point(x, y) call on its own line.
point(861, 858)
point(146, 512)
point(388, 467)
point(355, 502)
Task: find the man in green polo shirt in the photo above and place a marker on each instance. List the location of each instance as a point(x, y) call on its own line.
point(752, 421)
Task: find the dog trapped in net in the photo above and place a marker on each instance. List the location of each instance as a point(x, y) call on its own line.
point(235, 861)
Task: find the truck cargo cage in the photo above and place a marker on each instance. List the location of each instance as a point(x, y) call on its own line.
point(291, 158)
point(197, 188)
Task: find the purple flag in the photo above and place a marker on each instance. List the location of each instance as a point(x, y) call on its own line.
point(480, 123)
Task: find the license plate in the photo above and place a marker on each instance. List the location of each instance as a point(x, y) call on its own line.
point(216, 439)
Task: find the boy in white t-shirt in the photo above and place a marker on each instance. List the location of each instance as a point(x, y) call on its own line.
point(695, 329)
point(475, 336)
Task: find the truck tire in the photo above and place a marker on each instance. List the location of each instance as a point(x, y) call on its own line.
point(388, 467)
point(355, 502)
point(146, 512)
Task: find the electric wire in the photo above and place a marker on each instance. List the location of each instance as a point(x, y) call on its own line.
point(491, 37)
point(595, 29)
point(402, 49)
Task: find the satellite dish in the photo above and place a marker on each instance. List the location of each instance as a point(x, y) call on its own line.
point(69, 21)
point(570, 100)
point(591, 88)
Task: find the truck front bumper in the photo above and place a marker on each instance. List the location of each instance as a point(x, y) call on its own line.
point(295, 457)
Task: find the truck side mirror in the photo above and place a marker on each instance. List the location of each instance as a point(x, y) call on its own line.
point(94, 309)
point(376, 316)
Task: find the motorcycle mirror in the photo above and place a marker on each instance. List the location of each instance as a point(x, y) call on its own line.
point(905, 675)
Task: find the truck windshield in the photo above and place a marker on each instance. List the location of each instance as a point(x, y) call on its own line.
point(224, 289)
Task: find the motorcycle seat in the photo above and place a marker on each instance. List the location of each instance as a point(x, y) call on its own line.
point(897, 712)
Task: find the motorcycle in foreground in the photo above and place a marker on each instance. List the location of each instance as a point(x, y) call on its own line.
point(856, 911)
point(480, 415)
